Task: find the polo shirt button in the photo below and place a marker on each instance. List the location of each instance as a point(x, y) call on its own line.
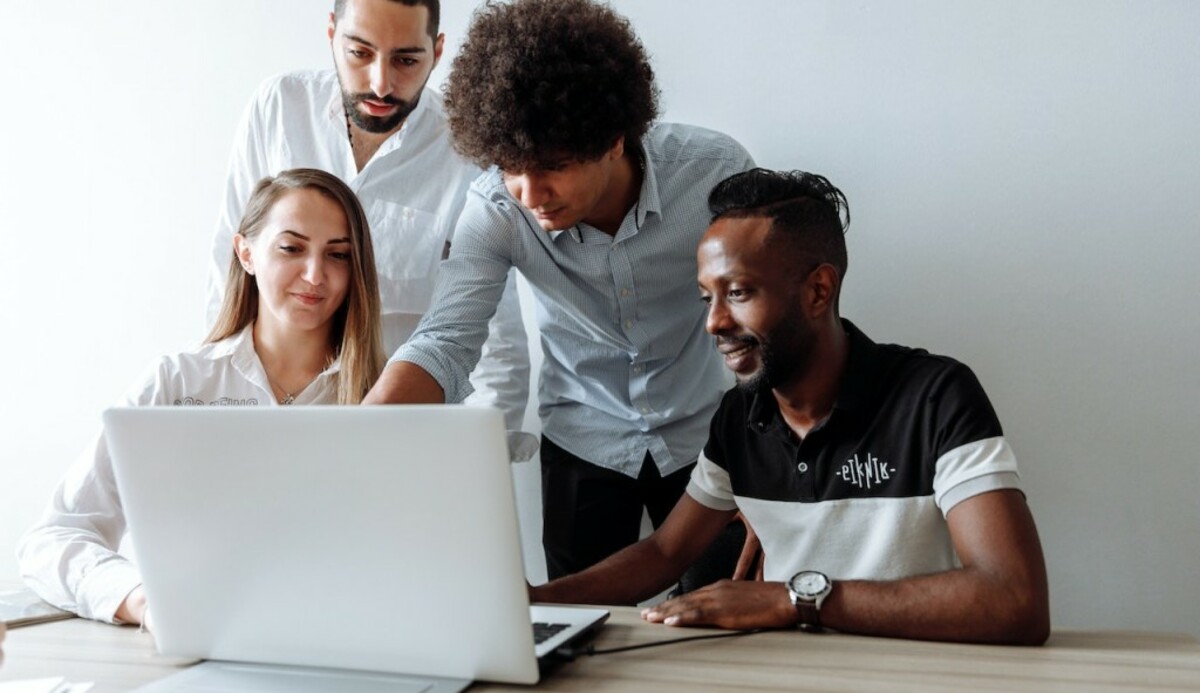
point(803, 467)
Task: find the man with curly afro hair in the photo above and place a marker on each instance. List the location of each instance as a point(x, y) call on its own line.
point(601, 210)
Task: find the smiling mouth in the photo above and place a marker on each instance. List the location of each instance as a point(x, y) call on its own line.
point(736, 351)
point(309, 299)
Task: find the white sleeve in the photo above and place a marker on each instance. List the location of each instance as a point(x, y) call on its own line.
point(972, 469)
point(247, 165)
point(501, 378)
point(710, 485)
point(69, 558)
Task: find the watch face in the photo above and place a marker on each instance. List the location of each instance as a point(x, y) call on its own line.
point(809, 583)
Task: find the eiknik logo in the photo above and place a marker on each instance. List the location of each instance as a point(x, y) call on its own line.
point(866, 471)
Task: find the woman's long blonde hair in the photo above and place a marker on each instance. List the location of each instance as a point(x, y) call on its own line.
point(355, 336)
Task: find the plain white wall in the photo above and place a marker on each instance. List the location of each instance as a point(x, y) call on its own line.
point(1022, 177)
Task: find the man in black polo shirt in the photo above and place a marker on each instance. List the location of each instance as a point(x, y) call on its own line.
point(877, 476)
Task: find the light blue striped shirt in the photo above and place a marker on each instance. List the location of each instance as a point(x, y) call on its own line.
point(628, 366)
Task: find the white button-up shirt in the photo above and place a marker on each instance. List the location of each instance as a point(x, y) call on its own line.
point(412, 191)
point(70, 557)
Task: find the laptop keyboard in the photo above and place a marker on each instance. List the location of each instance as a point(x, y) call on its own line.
point(544, 631)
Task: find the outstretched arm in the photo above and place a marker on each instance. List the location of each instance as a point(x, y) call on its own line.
point(405, 383)
point(999, 595)
point(435, 364)
point(646, 568)
point(70, 557)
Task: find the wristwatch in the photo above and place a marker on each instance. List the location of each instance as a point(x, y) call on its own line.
point(808, 590)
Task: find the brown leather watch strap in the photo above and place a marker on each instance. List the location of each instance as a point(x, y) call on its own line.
point(810, 617)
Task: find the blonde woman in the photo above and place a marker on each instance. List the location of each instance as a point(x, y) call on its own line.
point(299, 325)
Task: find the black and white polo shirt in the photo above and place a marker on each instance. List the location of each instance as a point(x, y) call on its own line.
point(865, 494)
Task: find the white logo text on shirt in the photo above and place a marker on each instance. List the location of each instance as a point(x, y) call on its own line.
point(866, 473)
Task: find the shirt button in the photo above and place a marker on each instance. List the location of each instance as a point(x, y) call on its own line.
point(645, 410)
point(803, 467)
point(628, 324)
point(624, 291)
point(637, 368)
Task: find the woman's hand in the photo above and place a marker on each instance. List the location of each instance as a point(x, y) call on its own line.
point(133, 609)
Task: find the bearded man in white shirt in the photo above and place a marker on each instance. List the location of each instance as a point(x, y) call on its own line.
point(372, 122)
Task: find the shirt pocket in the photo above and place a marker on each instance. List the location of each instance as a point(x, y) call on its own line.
point(408, 246)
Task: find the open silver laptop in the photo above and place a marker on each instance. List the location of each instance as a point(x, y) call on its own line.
point(375, 545)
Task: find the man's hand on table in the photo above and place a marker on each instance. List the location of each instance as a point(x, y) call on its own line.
point(734, 604)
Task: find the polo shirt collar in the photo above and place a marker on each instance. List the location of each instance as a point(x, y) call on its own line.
point(855, 390)
point(860, 380)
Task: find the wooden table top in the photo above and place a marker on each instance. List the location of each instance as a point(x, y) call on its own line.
point(121, 658)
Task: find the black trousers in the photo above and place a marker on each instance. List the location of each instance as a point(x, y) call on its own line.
point(589, 513)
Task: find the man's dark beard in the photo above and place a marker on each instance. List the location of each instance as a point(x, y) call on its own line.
point(375, 124)
point(785, 352)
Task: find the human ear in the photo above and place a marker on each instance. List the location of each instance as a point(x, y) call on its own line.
point(618, 148)
point(821, 289)
point(332, 27)
point(438, 44)
point(241, 248)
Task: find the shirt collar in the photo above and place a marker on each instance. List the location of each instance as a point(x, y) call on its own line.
point(234, 345)
point(239, 348)
point(648, 200)
point(855, 390)
point(860, 380)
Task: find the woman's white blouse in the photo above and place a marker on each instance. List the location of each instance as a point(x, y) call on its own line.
point(70, 557)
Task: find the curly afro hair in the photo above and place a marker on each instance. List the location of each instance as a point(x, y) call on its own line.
point(541, 82)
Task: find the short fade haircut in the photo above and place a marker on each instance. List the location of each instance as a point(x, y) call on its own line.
point(539, 83)
point(434, 7)
point(805, 210)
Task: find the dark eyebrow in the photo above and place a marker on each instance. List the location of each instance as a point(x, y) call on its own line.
point(359, 39)
point(368, 44)
point(301, 236)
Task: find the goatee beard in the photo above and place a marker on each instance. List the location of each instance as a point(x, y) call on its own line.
point(785, 354)
point(374, 124)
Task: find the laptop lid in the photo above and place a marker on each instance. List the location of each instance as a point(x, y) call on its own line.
point(369, 538)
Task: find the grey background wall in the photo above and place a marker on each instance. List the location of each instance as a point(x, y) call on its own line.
point(1023, 180)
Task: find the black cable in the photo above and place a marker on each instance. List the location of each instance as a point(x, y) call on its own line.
point(590, 650)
